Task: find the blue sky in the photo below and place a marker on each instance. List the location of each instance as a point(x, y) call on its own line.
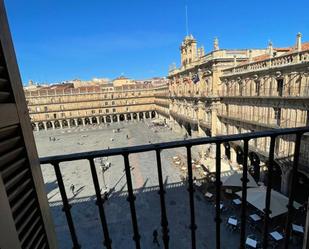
point(57, 40)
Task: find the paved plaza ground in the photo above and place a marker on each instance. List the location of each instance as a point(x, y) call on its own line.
point(144, 173)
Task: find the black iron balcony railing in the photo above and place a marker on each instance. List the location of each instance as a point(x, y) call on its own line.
point(218, 141)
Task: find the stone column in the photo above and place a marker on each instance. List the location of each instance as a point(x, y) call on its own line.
point(138, 118)
point(68, 121)
point(118, 118)
point(45, 126)
point(98, 120)
point(53, 124)
point(37, 126)
point(60, 122)
point(126, 117)
point(75, 122)
point(104, 119)
point(112, 120)
point(83, 120)
point(90, 119)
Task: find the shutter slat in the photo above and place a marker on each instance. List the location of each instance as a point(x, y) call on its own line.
point(16, 166)
point(29, 231)
point(34, 238)
point(23, 211)
point(11, 183)
point(21, 188)
point(21, 201)
point(9, 144)
point(10, 156)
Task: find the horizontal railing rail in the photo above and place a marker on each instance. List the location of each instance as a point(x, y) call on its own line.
point(188, 144)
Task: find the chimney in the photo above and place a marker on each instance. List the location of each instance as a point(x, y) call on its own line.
point(298, 41)
point(270, 49)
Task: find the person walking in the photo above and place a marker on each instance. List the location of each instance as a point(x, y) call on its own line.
point(155, 237)
point(72, 188)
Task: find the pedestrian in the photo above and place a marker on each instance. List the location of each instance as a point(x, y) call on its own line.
point(155, 237)
point(72, 187)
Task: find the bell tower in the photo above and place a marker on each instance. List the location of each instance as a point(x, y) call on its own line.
point(188, 50)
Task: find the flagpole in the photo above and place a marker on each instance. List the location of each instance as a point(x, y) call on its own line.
point(187, 26)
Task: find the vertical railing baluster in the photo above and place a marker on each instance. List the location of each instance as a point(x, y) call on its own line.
point(267, 210)
point(191, 197)
point(131, 199)
point(164, 222)
point(66, 206)
point(107, 241)
point(290, 206)
point(218, 193)
point(244, 196)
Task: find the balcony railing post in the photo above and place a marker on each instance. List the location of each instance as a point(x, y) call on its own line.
point(99, 202)
point(164, 221)
point(290, 206)
point(267, 210)
point(218, 193)
point(191, 197)
point(244, 196)
point(131, 199)
point(66, 206)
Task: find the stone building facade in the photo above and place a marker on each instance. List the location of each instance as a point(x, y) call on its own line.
point(230, 91)
point(63, 105)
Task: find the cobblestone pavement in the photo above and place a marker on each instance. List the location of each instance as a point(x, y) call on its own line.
point(145, 182)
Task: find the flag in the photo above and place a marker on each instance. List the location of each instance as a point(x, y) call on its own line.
point(195, 78)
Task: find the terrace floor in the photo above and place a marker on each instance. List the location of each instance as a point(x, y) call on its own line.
point(144, 174)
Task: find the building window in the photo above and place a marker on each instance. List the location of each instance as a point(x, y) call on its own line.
point(277, 115)
point(113, 102)
point(45, 108)
point(93, 111)
point(100, 111)
point(62, 114)
point(106, 110)
point(106, 103)
point(55, 115)
point(280, 87)
point(46, 116)
point(257, 87)
point(114, 110)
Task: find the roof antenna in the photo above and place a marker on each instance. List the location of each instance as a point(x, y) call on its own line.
point(187, 27)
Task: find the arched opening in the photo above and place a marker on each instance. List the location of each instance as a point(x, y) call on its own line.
point(87, 121)
point(57, 124)
point(227, 150)
point(239, 155)
point(102, 119)
point(254, 168)
point(141, 115)
point(276, 176)
point(134, 115)
point(79, 121)
point(153, 114)
point(303, 184)
point(108, 119)
point(41, 126)
point(147, 115)
point(65, 123)
point(121, 117)
point(129, 116)
point(115, 119)
point(49, 125)
point(94, 120)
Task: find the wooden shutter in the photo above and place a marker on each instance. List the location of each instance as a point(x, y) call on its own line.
point(25, 221)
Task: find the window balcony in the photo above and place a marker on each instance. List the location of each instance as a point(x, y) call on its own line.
point(137, 224)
